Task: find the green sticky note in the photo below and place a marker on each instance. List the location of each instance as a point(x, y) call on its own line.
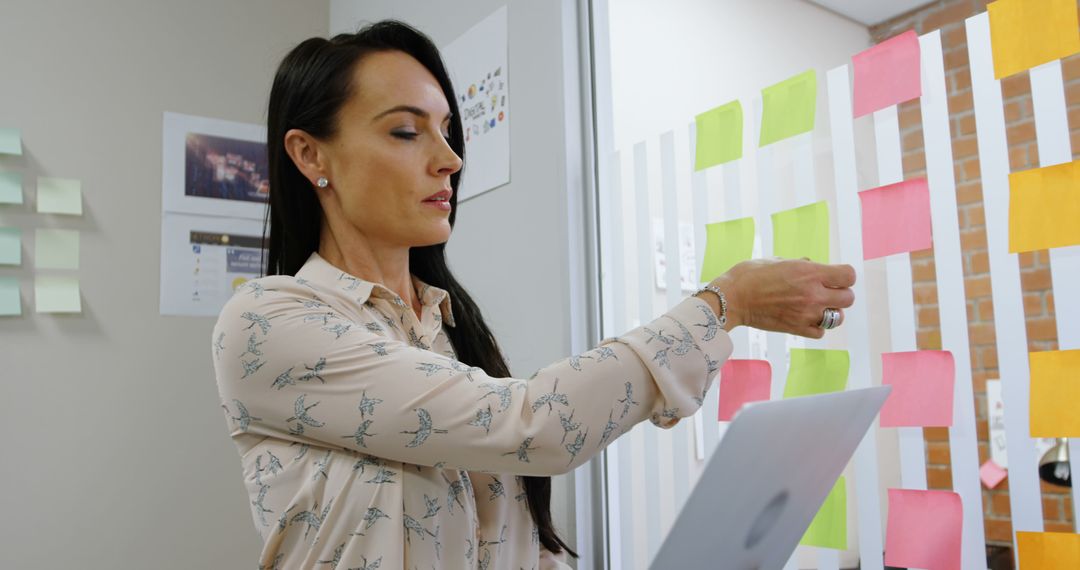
point(10, 246)
point(816, 371)
point(802, 232)
point(10, 304)
point(56, 249)
point(11, 188)
point(57, 294)
point(726, 244)
point(719, 135)
point(787, 108)
point(829, 528)
point(10, 141)
point(59, 196)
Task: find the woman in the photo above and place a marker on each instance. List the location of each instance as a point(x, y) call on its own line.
point(376, 419)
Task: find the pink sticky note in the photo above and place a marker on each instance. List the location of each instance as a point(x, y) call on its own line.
point(922, 394)
point(887, 74)
point(923, 529)
point(896, 218)
point(991, 474)
point(743, 381)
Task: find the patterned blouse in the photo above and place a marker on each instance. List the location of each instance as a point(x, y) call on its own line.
point(365, 444)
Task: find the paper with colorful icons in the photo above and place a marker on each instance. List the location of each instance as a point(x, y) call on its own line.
point(10, 246)
point(56, 248)
point(923, 529)
point(726, 244)
point(719, 135)
point(788, 108)
point(887, 74)
point(829, 527)
point(11, 188)
point(59, 196)
point(1044, 206)
point(1024, 34)
point(922, 388)
point(741, 382)
point(1048, 549)
point(10, 141)
point(802, 232)
point(896, 218)
point(10, 303)
point(1055, 391)
point(816, 371)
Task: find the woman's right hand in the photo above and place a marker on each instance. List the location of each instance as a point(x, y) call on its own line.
point(785, 295)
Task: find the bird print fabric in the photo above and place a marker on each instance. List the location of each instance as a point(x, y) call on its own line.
point(364, 443)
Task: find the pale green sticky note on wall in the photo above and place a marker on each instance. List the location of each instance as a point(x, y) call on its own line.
point(10, 141)
point(829, 528)
point(57, 294)
point(726, 244)
point(719, 135)
point(56, 249)
point(10, 246)
point(802, 232)
point(10, 304)
point(11, 188)
point(59, 196)
point(787, 108)
point(816, 371)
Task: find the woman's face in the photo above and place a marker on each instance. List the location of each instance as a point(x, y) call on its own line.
point(391, 153)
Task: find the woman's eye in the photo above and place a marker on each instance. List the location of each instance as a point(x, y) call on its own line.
point(406, 135)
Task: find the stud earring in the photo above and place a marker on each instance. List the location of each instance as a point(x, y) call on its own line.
point(322, 182)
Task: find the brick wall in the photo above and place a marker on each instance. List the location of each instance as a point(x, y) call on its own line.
point(948, 16)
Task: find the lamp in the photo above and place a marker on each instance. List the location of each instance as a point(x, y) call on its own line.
point(1054, 465)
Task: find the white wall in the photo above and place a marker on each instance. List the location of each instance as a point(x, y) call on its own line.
point(116, 454)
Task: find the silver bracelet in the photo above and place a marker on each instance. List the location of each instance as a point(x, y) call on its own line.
point(723, 301)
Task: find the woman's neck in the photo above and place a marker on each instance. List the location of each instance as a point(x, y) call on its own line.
point(359, 257)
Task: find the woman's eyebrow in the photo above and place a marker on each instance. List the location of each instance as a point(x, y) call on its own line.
point(408, 109)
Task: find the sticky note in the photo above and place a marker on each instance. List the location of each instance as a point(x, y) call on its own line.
point(11, 188)
point(1055, 391)
point(719, 135)
point(1024, 34)
point(726, 244)
point(59, 196)
point(1044, 204)
point(1048, 549)
point(57, 294)
point(896, 218)
point(10, 304)
point(991, 474)
point(829, 527)
point(787, 108)
point(10, 141)
point(743, 381)
point(922, 388)
point(816, 371)
point(10, 246)
point(802, 232)
point(56, 249)
point(923, 529)
point(887, 74)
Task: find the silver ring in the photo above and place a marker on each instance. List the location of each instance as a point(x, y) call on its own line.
point(830, 319)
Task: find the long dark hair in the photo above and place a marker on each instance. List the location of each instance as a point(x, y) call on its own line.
point(312, 83)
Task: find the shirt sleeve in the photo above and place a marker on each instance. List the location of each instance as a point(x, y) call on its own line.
point(303, 374)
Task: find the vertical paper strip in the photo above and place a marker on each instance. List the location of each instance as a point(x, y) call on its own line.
point(1025, 34)
point(887, 74)
point(788, 108)
point(719, 135)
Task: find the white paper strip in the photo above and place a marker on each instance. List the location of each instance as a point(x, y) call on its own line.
point(618, 488)
point(704, 439)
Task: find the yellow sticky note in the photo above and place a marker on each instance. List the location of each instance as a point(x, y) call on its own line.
point(1048, 549)
point(1044, 206)
point(719, 135)
point(1026, 33)
point(57, 294)
point(829, 527)
point(10, 303)
point(56, 249)
point(10, 141)
point(802, 232)
point(59, 196)
point(726, 244)
point(788, 108)
point(816, 371)
point(10, 246)
point(10, 188)
point(1055, 391)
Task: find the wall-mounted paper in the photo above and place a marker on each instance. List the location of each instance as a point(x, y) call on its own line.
point(1044, 206)
point(57, 294)
point(10, 303)
point(741, 382)
point(59, 196)
point(896, 218)
point(922, 388)
point(829, 527)
point(788, 107)
point(56, 249)
point(991, 474)
point(923, 529)
point(816, 371)
point(11, 188)
point(1055, 391)
point(887, 74)
point(10, 141)
point(10, 246)
point(719, 135)
point(726, 244)
point(1024, 34)
point(802, 232)
point(1048, 549)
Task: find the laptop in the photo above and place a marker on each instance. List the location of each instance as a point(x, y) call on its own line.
point(767, 479)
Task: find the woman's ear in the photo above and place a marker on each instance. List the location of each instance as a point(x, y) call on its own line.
point(305, 153)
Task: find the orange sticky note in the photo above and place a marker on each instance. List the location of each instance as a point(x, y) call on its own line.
point(1024, 33)
point(743, 381)
point(1048, 549)
point(991, 474)
point(1055, 392)
point(1044, 206)
point(922, 394)
point(923, 530)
